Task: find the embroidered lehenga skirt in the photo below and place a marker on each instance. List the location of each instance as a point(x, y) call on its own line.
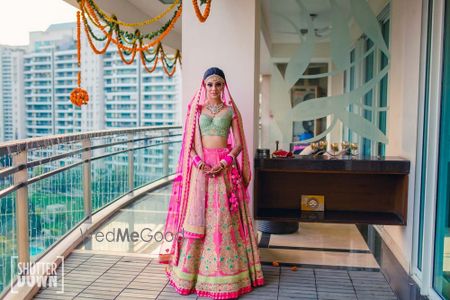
point(225, 263)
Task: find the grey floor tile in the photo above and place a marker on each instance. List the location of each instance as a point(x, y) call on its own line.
point(88, 277)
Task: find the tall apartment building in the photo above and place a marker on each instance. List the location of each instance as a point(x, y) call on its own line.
point(50, 71)
point(12, 105)
point(120, 95)
point(134, 97)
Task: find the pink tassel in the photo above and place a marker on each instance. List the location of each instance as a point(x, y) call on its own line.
point(234, 199)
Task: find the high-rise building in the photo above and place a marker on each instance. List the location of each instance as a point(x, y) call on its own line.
point(135, 98)
point(50, 71)
point(121, 95)
point(12, 103)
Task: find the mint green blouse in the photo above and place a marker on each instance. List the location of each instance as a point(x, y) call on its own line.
point(217, 125)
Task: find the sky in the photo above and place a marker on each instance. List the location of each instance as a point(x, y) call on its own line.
point(19, 17)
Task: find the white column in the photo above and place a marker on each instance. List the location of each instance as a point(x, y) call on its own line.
point(229, 39)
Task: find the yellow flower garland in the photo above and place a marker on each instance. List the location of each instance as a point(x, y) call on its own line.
point(138, 24)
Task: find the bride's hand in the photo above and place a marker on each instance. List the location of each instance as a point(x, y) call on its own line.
point(206, 168)
point(216, 169)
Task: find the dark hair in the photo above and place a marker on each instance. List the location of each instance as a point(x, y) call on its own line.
point(214, 71)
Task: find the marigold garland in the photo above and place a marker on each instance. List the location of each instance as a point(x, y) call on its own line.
point(129, 44)
point(79, 96)
point(123, 39)
point(158, 54)
point(84, 4)
point(202, 17)
point(138, 24)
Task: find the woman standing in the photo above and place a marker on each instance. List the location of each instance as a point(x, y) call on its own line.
point(216, 253)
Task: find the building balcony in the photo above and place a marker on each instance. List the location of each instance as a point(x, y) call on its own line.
point(66, 189)
point(38, 63)
point(72, 182)
point(73, 69)
point(389, 73)
point(36, 71)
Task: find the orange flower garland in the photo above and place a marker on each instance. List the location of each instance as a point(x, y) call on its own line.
point(165, 64)
point(128, 45)
point(86, 8)
point(97, 23)
point(202, 17)
point(79, 96)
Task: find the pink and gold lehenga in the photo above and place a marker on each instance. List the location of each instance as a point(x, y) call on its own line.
point(216, 254)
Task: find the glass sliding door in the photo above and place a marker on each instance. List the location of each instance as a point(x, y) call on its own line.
point(441, 282)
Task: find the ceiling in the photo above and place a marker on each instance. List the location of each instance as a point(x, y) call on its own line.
point(278, 36)
point(278, 14)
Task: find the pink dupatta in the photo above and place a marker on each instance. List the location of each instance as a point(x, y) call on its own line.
point(186, 211)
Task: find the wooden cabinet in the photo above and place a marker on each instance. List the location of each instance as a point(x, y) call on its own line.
point(356, 190)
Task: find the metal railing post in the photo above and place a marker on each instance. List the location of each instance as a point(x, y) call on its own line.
point(23, 240)
point(87, 193)
point(166, 153)
point(130, 163)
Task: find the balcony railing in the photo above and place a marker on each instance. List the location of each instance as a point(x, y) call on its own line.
point(50, 185)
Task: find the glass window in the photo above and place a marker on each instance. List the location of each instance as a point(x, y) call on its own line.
point(375, 100)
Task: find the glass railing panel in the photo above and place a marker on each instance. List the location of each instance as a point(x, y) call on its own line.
point(55, 206)
point(156, 161)
point(148, 165)
point(145, 216)
point(8, 242)
point(56, 177)
point(109, 175)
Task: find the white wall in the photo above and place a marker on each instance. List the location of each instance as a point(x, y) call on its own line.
point(403, 113)
point(229, 39)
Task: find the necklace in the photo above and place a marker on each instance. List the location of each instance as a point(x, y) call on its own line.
point(214, 108)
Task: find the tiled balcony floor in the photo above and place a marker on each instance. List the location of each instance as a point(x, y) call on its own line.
point(332, 260)
point(94, 276)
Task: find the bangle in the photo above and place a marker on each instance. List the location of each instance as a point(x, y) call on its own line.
point(228, 159)
point(224, 163)
point(197, 161)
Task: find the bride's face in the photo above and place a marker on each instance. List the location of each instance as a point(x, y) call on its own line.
point(214, 88)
